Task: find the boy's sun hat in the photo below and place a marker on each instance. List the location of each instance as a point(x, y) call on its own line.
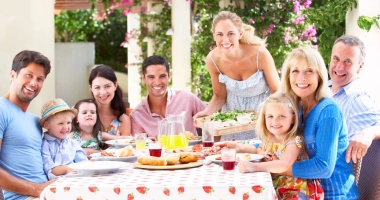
point(53, 107)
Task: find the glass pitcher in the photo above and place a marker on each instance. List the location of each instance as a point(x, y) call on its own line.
point(172, 132)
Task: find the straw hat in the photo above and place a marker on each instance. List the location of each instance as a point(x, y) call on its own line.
point(53, 107)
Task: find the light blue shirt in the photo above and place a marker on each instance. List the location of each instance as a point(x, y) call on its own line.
point(20, 153)
point(326, 142)
point(57, 153)
point(358, 107)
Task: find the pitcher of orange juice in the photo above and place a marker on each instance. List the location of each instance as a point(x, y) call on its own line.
point(172, 132)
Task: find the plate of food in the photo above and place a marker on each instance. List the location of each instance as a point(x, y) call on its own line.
point(180, 160)
point(123, 142)
point(242, 156)
point(97, 167)
point(127, 154)
point(193, 139)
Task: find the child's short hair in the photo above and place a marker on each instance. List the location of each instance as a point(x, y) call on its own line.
point(54, 106)
point(282, 98)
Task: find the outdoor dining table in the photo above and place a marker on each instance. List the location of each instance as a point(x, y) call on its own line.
point(128, 183)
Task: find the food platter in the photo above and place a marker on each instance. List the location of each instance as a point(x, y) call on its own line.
point(98, 157)
point(120, 143)
point(254, 157)
point(193, 142)
point(242, 123)
point(176, 166)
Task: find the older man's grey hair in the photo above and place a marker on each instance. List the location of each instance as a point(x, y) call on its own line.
point(354, 41)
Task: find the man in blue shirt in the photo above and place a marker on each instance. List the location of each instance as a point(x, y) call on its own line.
point(21, 168)
point(359, 109)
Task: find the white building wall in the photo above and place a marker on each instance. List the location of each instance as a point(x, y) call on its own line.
point(371, 71)
point(27, 25)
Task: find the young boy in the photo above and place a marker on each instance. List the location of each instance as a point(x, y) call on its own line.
point(58, 150)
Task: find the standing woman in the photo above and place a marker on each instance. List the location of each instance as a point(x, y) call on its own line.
point(242, 70)
point(109, 98)
point(304, 75)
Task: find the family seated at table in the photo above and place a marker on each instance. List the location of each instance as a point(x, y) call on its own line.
point(311, 142)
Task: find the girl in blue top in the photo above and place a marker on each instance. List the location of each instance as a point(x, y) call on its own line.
point(304, 75)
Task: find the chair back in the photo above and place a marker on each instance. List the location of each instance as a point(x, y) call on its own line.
point(368, 173)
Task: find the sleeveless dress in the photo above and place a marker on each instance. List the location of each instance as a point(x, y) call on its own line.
point(244, 95)
point(113, 128)
point(93, 143)
point(289, 187)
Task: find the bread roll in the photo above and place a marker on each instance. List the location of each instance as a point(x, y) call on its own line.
point(189, 135)
point(186, 157)
point(150, 160)
point(171, 159)
point(126, 151)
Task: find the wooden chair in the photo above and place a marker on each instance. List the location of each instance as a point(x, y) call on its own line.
point(1, 194)
point(367, 173)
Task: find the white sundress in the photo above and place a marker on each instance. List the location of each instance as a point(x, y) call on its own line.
point(244, 95)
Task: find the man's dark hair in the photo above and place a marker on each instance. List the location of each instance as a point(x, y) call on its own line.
point(154, 60)
point(24, 58)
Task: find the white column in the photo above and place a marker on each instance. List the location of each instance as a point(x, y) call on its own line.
point(134, 63)
point(27, 25)
point(153, 8)
point(181, 44)
point(371, 39)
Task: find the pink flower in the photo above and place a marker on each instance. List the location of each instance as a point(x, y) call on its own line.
point(271, 26)
point(126, 12)
point(307, 3)
point(262, 18)
point(251, 21)
point(206, 4)
point(200, 30)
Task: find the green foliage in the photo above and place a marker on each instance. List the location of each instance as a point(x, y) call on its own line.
point(82, 26)
point(365, 22)
point(329, 19)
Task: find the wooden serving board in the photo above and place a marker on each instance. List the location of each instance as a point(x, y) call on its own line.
point(176, 166)
point(227, 129)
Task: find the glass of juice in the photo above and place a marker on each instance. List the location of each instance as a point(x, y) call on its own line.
point(140, 140)
point(155, 149)
point(208, 134)
point(228, 158)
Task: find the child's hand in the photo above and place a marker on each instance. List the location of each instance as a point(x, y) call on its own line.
point(246, 166)
point(270, 157)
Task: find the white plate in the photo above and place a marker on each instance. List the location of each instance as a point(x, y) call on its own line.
point(254, 157)
point(97, 167)
point(123, 142)
point(98, 157)
point(192, 142)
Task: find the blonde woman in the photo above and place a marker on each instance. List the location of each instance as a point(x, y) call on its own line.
point(304, 75)
point(242, 70)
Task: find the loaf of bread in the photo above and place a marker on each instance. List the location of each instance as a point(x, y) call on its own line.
point(171, 159)
point(150, 160)
point(186, 157)
point(126, 151)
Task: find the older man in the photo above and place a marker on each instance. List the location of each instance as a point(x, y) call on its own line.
point(361, 115)
point(21, 167)
point(162, 100)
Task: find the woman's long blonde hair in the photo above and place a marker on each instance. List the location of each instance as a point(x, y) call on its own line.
point(311, 58)
point(248, 31)
point(261, 129)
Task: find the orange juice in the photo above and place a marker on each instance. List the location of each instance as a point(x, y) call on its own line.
point(140, 145)
point(175, 141)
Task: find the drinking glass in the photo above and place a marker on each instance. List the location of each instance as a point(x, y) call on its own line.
point(140, 140)
point(208, 134)
point(155, 149)
point(228, 158)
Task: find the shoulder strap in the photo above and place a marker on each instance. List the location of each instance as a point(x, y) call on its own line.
point(213, 61)
point(257, 58)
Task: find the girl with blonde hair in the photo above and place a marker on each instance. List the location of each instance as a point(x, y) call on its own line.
point(242, 70)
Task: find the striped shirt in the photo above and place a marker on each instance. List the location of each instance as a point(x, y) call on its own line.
point(358, 107)
point(326, 142)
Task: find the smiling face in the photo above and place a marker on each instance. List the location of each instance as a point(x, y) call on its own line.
point(28, 83)
point(86, 117)
point(156, 79)
point(59, 125)
point(226, 35)
point(103, 90)
point(279, 119)
point(345, 65)
point(304, 80)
